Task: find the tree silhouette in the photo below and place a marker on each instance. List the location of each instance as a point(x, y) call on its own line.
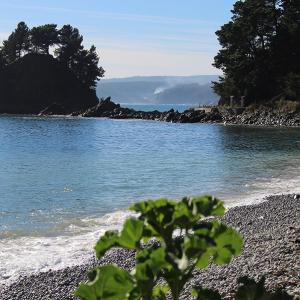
point(22, 39)
point(84, 63)
point(85, 66)
point(42, 37)
point(69, 49)
point(70, 43)
point(260, 47)
point(2, 61)
point(16, 44)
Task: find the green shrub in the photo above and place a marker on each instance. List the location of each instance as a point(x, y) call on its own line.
point(178, 240)
point(183, 243)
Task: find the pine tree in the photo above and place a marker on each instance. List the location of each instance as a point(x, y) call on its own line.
point(16, 44)
point(260, 47)
point(43, 37)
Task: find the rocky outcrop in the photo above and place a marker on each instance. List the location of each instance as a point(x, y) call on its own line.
point(108, 109)
point(262, 116)
point(38, 83)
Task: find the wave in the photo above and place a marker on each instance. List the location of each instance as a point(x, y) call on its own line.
point(28, 255)
point(286, 183)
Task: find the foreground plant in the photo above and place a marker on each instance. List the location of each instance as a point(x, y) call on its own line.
point(179, 244)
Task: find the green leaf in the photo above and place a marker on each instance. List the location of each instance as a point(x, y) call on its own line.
point(183, 216)
point(222, 256)
point(207, 206)
point(131, 234)
point(150, 262)
point(204, 260)
point(106, 242)
point(110, 283)
point(228, 241)
point(194, 245)
point(160, 292)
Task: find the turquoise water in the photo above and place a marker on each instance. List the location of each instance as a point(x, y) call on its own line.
point(56, 169)
point(64, 181)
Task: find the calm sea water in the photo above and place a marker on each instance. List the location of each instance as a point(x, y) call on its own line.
point(63, 181)
point(159, 107)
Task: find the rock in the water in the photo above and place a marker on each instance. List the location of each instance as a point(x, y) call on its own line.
point(105, 108)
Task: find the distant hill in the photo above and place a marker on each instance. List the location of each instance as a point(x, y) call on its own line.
point(160, 89)
point(37, 81)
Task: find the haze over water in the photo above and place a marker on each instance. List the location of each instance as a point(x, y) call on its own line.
point(63, 181)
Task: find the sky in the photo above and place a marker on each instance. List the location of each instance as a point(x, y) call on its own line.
point(134, 37)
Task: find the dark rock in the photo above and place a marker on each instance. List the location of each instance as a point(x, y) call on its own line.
point(105, 108)
point(53, 109)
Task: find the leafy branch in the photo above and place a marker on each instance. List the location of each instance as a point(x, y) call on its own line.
point(181, 241)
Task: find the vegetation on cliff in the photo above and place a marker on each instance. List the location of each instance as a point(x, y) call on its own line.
point(37, 82)
point(260, 52)
point(47, 69)
point(66, 44)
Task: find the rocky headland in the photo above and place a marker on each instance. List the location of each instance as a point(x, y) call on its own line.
point(262, 116)
point(271, 231)
point(40, 84)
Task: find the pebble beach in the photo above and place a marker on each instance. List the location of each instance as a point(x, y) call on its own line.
point(271, 231)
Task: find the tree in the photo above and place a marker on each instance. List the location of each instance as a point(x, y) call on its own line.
point(22, 39)
point(84, 63)
point(2, 61)
point(85, 66)
point(70, 51)
point(260, 46)
point(43, 37)
point(9, 49)
point(16, 44)
point(70, 44)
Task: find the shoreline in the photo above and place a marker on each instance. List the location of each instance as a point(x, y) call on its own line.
point(261, 117)
point(271, 230)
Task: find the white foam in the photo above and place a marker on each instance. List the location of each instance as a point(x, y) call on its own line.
point(257, 191)
point(29, 255)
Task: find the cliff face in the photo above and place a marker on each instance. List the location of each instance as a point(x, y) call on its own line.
point(36, 82)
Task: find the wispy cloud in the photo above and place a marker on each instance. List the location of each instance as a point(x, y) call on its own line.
point(114, 16)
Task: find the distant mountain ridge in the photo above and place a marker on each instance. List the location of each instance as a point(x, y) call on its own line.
point(160, 89)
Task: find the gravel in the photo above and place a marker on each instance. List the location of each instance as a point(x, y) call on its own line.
point(271, 231)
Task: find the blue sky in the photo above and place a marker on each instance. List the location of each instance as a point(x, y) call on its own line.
point(134, 37)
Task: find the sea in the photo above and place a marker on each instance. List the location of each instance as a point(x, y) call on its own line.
point(64, 181)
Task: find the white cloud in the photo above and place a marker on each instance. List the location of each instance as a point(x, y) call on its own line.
point(115, 16)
